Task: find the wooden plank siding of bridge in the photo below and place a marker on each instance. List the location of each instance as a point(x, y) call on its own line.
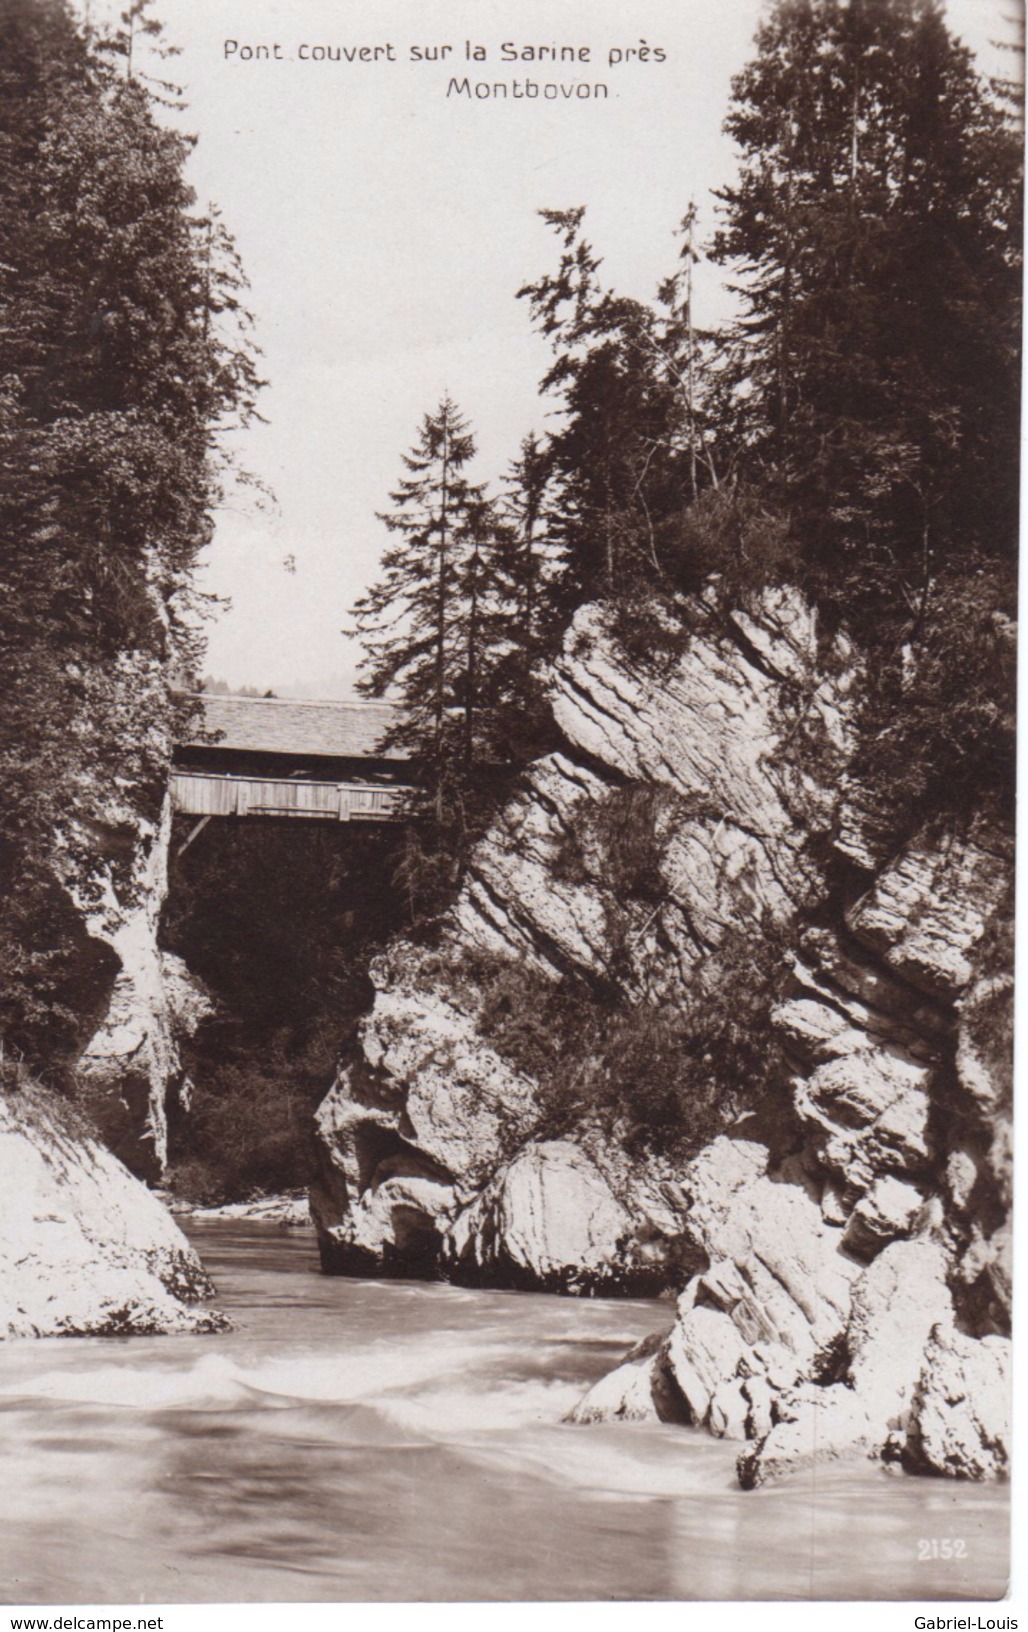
point(258, 756)
point(194, 793)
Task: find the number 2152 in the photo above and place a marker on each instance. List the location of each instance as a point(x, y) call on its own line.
point(934, 1548)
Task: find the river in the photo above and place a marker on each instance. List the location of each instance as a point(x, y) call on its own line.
point(371, 1440)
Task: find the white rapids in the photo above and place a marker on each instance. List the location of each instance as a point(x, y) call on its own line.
point(374, 1440)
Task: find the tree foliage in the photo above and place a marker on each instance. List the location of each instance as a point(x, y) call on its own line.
point(855, 431)
point(617, 459)
point(875, 227)
point(419, 622)
point(871, 386)
point(666, 1075)
point(123, 352)
point(450, 629)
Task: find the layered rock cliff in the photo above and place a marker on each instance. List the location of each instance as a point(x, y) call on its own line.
point(428, 1137)
point(85, 1248)
point(843, 1244)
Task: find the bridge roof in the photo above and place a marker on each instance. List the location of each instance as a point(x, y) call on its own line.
point(273, 725)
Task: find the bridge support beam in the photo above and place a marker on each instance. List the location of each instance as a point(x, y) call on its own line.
point(194, 833)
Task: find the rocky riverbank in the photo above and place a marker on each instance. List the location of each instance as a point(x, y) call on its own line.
point(86, 1250)
point(843, 1247)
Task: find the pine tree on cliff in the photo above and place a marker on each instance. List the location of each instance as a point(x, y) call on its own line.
point(121, 359)
point(876, 231)
point(434, 628)
point(617, 457)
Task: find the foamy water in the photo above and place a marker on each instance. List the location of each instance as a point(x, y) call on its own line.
point(355, 1440)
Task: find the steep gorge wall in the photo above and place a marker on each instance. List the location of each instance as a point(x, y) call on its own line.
point(844, 1248)
point(856, 1294)
point(121, 1002)
point(131, 1069)
point(85, 1247)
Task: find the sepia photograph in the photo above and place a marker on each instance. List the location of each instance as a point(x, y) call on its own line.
point(508, 679)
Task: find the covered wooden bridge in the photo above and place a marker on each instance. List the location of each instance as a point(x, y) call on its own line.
point(264, 756)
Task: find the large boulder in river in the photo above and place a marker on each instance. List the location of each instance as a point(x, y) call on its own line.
point(916, 1388)
point(641, 1389)
point(85, 1248)
point(960, 1413)
point(896, 1305)
point(548, 1219)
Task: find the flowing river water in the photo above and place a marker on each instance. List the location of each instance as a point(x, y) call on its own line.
point(371, 1440)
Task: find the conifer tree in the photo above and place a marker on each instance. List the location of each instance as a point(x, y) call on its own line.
point(531, 565)
point(875, 228)
point(427, 629)
point(618, 457)
point(419, 623)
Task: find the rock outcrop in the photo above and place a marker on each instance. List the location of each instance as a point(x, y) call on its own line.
point(85, 1248)
point(414, 1177)
point(132, 1068)
point(411, 1127)
point(844, 1249)
point(960, 1411)
point(429, 1116)
point(856, 1299)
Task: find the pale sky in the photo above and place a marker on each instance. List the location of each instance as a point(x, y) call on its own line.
point(385, 229)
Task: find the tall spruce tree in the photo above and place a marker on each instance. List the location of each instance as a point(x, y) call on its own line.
point(420, 623)
point(434, 635)
point(875, 230)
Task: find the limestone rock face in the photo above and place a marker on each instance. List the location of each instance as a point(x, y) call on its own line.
point(514, 904)
point(711, 728)
point(624, 1395)
point(868, 1113)
point(709, 732)
point(815, 1425)
point(132, 1065)
point(897, 1302)
point(889, 1210)
point(926, 912)
point(85, 1248)
point(187, 1000)
point(413, 1127)
point(428, 1101)
point(776, 1292)
point(835, 1266)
